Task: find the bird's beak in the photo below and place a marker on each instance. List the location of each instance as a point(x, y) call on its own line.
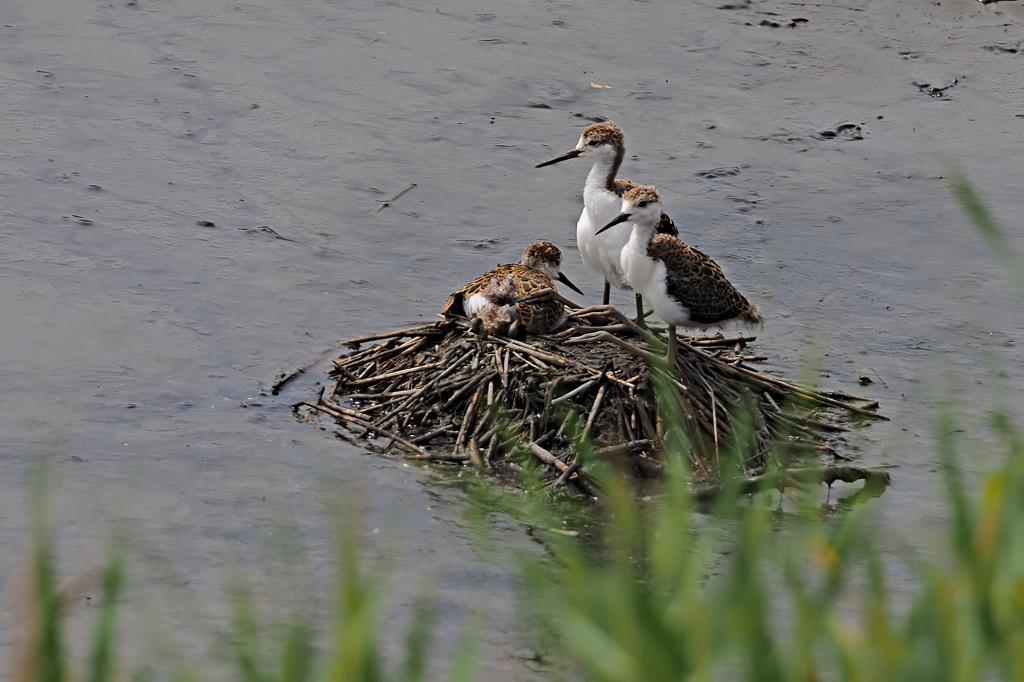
point(565, 280)
point(568, 155)
point(621, 218)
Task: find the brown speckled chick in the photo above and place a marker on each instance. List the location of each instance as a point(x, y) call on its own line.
point(492, 299)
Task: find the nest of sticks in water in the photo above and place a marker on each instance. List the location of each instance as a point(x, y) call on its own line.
point(442, 393)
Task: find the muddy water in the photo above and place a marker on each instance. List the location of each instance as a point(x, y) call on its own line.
point(138, 345)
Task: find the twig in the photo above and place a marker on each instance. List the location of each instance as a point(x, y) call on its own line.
point(283, 379)
point(391, 375)
point(595, 409)
point(369, 425)
point(413, 331)
point(385, 204)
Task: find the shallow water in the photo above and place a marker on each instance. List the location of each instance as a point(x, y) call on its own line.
point(138, 347)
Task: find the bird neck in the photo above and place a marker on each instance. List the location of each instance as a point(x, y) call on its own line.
point(641, 236)
point(602, 175)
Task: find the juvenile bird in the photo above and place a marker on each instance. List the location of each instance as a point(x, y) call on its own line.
point(684, 286)
point(492, 300)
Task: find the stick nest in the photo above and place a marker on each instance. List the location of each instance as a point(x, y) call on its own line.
point(442, 393)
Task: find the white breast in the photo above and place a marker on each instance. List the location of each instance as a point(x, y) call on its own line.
point(647, 276)
point(601, 253)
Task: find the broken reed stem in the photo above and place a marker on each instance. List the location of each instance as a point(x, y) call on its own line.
point(349, 417)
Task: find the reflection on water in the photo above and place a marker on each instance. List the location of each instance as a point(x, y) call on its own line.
point(139, 340)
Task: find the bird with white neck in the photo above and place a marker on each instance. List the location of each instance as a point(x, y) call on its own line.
point(603, 144)
point(684, 286)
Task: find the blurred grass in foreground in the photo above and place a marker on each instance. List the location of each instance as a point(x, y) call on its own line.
point(661, 597)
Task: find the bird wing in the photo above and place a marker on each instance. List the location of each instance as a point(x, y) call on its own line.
point(698, 283)
point(666, 226)
point(453, 306)
point(535, 318)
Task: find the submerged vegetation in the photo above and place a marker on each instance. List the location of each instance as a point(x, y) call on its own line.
point(660, 592)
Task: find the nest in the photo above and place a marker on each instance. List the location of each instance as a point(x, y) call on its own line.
point(443, 393)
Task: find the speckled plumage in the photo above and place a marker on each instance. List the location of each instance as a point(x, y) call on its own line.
point(698, 283)
point(503, 286)
point(685, 286)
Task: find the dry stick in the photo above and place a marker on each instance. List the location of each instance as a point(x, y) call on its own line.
point(714, 417)
point(594, 409)
point(338, 408)
point(374, 396)
point(433, 382)
point(561, 362)
point(439, 457)
point(474, 453)
point(388, 202)
point(391, 375)
point(713, 342)
point(624, 448)
point(431, 435)
point(370, 369)
point(564, 477)
point(470, 385)
point(574, 392)
point(285, 378)
point(698, 463)
point(369, 425)
point(349, 359)
point(625, 434)
point(417, 331)
point(470, 413)
point(417, 344)
point(645, 422)
point(549, 459)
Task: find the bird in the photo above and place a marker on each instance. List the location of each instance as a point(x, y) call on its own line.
point(602, 198)
point(493, 300)
point(684, 286)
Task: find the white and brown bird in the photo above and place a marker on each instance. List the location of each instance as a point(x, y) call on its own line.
point(493, 300)
point(684, 286)
point(604, 144)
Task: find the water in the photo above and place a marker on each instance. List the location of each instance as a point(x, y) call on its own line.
point(138, 347)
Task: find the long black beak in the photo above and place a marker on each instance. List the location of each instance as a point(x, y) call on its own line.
point(568, 155)
point(621, 218)
point(565, 280)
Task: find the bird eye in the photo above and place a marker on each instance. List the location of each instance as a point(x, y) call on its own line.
point(593, 143)
point(642, 204)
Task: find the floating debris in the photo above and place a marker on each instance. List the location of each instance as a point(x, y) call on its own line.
point(843, 131)
point(934, 90)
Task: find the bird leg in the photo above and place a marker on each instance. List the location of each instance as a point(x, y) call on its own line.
point(673, 345)
point(607, 298)
point(648, 356)
point(640, 312)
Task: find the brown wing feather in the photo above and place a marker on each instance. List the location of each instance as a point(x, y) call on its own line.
point(698, 283)
point(534, 318)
